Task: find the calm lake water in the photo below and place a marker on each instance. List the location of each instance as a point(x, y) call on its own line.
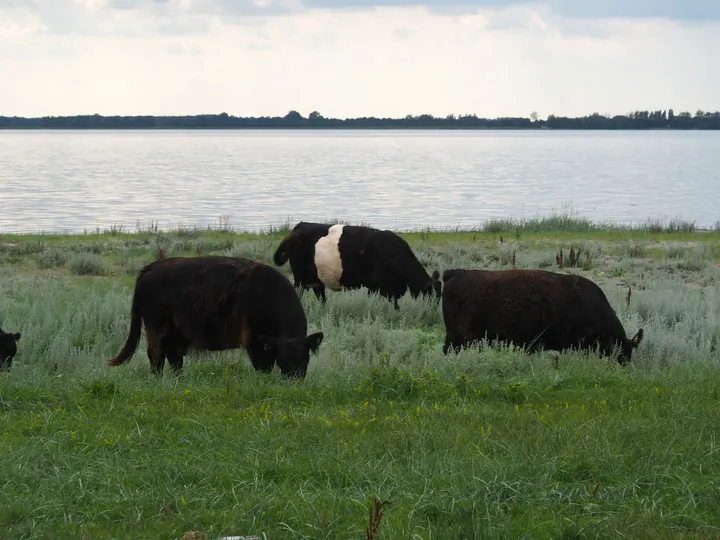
point(76, 180)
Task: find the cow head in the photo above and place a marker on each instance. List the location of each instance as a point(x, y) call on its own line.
point(434, 286)
point(630, 345)
point(8, 349)
point(292, 355)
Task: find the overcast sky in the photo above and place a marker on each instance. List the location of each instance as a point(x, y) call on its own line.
point(347, 58)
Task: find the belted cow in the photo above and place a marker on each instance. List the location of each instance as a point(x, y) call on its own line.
point(351, 256)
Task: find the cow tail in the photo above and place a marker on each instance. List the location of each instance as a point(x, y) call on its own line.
point(133, 337)
point(282, 254)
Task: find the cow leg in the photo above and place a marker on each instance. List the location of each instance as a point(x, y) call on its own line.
point(450, 345)
point(155, 352)
point(372, 289)
point(319, 291)
point(453, 341)
point(391, 295)
point(301, 288)
point(392, 298)
point(176, 347)
point(447, 344)
point(175, 355)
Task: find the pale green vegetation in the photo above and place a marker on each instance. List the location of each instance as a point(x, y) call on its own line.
point(492, 443)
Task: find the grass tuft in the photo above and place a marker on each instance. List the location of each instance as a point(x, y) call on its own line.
point(53, 258)
point(85, 264)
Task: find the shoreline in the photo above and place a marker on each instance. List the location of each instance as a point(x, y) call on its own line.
point(552, 224)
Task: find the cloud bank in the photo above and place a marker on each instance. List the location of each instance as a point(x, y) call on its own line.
point(86, 16)
point(357, 57)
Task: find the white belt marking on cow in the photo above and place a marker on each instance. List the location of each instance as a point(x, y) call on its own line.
point(327, 258)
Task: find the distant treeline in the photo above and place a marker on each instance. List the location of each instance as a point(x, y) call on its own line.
point(294, 120)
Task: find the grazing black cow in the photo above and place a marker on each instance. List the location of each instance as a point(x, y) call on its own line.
point(351, 256)
point(217, 303)
point(531, 308)
point(8, 349)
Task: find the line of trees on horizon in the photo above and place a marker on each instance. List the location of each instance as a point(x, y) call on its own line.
point(661, 119)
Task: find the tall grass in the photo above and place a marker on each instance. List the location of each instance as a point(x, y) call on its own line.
point(490, 443)
point(77, 323)
point(566, 220)
point(85, 264)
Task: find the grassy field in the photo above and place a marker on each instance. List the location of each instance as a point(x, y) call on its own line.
point(491, 443)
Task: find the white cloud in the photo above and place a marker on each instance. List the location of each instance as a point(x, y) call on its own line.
point(200, 56)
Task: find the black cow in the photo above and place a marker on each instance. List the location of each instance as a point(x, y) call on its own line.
point(351, 256)
point(8, 349)
point(531, 308)
point(217, 303)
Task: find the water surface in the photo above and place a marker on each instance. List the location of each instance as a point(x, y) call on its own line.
point(76, 180)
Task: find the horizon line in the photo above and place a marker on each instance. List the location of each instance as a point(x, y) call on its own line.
point(663, 119)
point(294, 113)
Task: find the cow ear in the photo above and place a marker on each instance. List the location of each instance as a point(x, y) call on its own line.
point(267, 343)
point(17, 337)
point(313, 341)
point(637, 338)
point(436, 275)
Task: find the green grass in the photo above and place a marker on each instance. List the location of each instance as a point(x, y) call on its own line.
point(491, 443)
